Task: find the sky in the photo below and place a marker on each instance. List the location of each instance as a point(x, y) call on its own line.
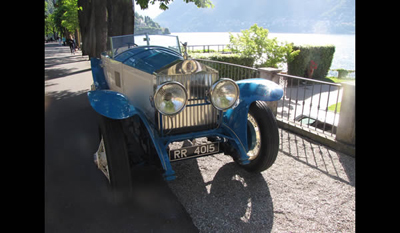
point(153, 10)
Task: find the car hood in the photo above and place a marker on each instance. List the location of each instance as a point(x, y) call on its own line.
point(149, 58)
point(185, 67)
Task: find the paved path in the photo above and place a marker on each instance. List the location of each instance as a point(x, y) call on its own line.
point(76, 194)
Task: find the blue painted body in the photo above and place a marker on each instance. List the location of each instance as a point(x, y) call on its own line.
point(234, 123)
point(99, 79)
point(111, 104)
point(250, 91)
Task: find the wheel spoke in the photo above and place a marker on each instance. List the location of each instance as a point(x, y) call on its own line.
point(254, 151)
point(100, 158)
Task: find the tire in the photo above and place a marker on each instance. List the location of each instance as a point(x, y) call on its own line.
point(118, 161)
point(264, 143)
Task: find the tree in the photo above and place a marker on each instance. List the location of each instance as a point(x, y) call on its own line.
point(65, 17)
point(69, 19)
point(101, 19)
point(254, 42)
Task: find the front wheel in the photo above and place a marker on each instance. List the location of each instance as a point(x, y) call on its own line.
point(113, 155)
point(262, 137)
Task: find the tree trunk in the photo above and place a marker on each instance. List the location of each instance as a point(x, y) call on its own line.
point(84, 21)
point(100, 24)
point(120, 17)
point(100, 19)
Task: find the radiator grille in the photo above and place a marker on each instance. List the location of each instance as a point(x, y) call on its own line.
point(198, 114)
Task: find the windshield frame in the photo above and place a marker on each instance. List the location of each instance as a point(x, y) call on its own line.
point(119, 44)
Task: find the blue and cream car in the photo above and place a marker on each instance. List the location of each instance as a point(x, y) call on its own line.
point(156, 106)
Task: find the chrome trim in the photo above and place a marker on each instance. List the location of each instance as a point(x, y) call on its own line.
point(186, 67)
point(254, 152)
point(198, 114)
point(237, 90)
point(168, 83)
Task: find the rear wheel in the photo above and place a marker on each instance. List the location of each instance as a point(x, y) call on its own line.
point(262, 137)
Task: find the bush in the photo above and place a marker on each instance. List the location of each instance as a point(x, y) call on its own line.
point(229, 58)
point(254, 42)
point(321, 55)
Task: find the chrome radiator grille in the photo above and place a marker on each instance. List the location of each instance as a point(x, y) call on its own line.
point(198, 114)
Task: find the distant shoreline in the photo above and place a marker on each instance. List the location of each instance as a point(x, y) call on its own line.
point(306, 33)
point(344, 56)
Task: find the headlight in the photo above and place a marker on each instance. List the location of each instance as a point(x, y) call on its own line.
point(224, 94)
point(170, 98)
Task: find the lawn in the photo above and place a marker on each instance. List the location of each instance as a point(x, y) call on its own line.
point(338, 80)
point(332, 107)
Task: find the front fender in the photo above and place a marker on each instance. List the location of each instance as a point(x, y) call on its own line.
point(116, 106)
point(250, 90)
point(111, 104)
point(259, 89)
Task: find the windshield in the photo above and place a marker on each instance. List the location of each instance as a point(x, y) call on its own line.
point(120, 44)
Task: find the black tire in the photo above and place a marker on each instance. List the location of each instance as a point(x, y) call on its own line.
point(268, 130)
point(118, 161)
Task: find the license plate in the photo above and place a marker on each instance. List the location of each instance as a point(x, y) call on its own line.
point(193, 151)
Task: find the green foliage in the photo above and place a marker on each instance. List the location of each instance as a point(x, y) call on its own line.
point(70, 18)
point(321, 55)
point(342, 73)
point(49, 25)
point(254, 42)
point(229, 58)
point(65, 16)
point(335, 106)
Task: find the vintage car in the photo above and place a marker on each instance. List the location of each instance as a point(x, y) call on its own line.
point(157, 106)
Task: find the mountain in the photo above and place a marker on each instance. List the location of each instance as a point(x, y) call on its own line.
point(147, 25)
point(290, 16)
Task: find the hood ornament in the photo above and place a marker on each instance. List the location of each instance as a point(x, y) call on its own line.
point(185, 54)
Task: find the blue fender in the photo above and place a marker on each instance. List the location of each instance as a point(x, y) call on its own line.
point(235, 120)
point(111, 104)
point(115, 105)
point(259, 89)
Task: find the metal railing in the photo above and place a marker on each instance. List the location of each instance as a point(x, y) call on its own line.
point(309, 107)
point(307, 103)
point(310, 103)
point(206, 48)
point(232, 71)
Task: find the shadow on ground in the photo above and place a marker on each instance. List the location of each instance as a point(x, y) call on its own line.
point(334, 164)
point(232, 200)
point(77, 198)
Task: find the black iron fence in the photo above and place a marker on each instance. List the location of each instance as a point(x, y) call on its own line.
point(220, 48)
point(310, 103)
point(232, 71)
point(307, 103)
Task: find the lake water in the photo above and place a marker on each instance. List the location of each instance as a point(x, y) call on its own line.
point(344, 56)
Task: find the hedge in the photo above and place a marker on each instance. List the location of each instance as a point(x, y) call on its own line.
point(321, 55)
point(230, 58)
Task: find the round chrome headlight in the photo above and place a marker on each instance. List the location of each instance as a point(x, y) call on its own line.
point(224, 94)
point(170, 98)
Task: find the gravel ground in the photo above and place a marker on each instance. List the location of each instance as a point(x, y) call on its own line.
point(310, 188)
